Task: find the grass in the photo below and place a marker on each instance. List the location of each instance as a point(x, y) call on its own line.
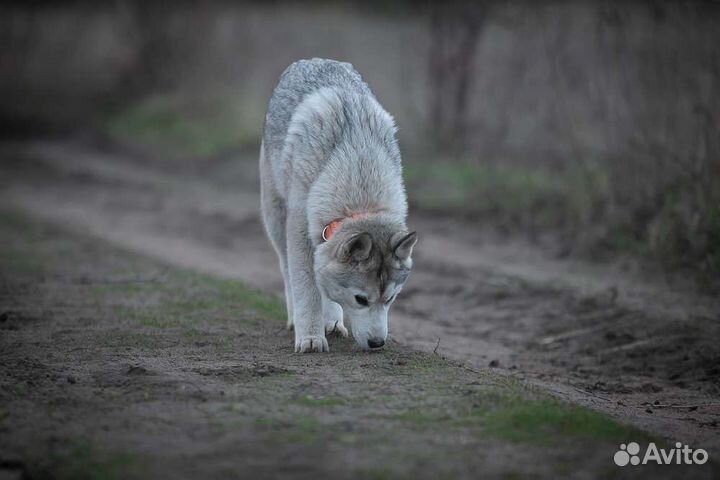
point(421, 418)
point(21, 258)
point(686, 228)
point(679, 229)
point(510, 194)
point(319, 402)
point(189, 124)
point(544, 420)
point(374, 405)
point(179, 301)
point(514, 416)
point(305, 430)
point(185, 299)
point(268, 306)
point(189, 298)
point(424, 362)
point(80, 460)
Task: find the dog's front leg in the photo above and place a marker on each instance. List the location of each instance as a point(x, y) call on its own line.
point(307, 304)
point(333, 318)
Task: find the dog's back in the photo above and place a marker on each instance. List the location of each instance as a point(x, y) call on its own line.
point(296, 82)
point(326, 133)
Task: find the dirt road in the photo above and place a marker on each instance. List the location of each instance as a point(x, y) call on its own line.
point(116, 366)
point(645, 351)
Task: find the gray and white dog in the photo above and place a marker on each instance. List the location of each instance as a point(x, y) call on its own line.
point(334, 204)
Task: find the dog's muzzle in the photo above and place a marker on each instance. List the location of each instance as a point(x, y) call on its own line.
point(376, 342)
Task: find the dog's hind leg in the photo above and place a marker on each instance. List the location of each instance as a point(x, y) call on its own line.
point(275, 217)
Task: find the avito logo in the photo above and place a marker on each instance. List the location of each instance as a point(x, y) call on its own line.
point(680, 455)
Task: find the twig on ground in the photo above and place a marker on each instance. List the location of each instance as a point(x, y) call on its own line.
point(572, 333)
point(673, 405)
point(436, 346)
point(636, 344)
point(592, 394)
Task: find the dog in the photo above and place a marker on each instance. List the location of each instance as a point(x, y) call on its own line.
point(334, 204)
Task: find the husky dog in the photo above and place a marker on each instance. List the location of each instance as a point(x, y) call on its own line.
point(334, 204)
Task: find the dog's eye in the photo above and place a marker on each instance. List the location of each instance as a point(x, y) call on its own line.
point(362, 301)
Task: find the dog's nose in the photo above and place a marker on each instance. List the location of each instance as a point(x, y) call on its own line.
point(376, 342)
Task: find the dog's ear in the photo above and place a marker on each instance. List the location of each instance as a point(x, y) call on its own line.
point(404, 246)
point(356, 247)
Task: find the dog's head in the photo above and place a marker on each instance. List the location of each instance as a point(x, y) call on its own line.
point(363, 267)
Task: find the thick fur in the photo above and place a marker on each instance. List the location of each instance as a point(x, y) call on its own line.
point(328, 152)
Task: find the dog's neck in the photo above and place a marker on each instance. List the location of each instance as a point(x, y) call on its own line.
point(332, 227)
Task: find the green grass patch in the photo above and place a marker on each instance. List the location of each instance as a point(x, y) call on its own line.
point(188, 298)
point(21, 257)
point(128, 288)
point(305, 430)
point(512, 194)
point(174, 313)
point(548, 420)
point(422, 418)
point(676, 226)
point(310, 401)
point(420, 362)
point(269, 306)
point(81, 461)
point(516, 415)
point(32, 231)
point(190, 124)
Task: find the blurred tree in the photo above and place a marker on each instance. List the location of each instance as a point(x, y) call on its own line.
point(455, 28)
point(665, 172)
point(166, 40)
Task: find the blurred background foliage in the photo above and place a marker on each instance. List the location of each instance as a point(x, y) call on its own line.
point(596, 123)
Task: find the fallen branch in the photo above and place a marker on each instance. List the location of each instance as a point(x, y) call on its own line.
point(673, 405)
point(637, 344)
point(572, 333)
point(593, 394)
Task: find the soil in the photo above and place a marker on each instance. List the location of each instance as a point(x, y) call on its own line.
point(115, 366)
point(643, 349)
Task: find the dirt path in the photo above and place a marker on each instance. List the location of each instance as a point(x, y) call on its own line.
point(115, 366)
point(645, 352)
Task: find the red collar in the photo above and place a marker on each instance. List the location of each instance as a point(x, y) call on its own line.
point(333, 226)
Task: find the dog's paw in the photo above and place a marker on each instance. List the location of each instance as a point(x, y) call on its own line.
point(311, 344)
point(336, 328)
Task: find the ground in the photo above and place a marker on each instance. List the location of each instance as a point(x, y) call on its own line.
point(116, 366)
point(128, 345)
